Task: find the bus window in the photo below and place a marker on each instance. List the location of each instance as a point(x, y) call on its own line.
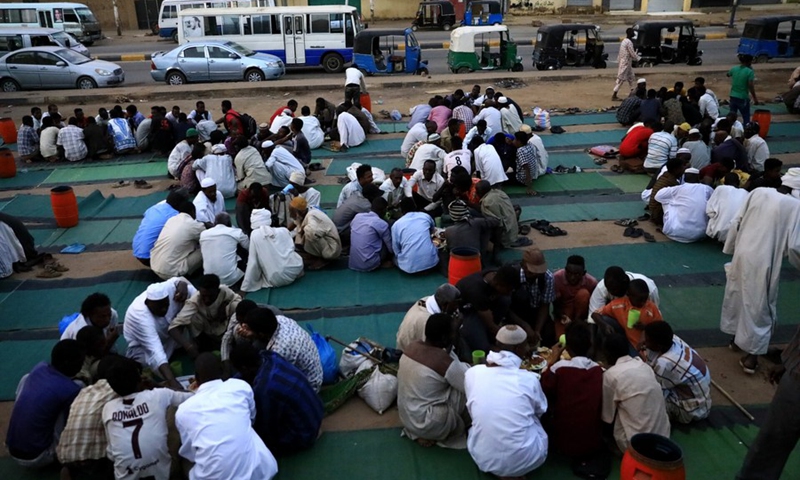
point(261, 24)
point(170, 11)
point(70, 15)
point(337, 25)
point(298, 25)
point(287, 22)
point(230, 25)
point(17, 15)
point(319, 23)
point(349, 33)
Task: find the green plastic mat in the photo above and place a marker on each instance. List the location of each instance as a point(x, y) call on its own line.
point(782, 145)
point(370, 146)
point(568, 182)
point(629, 183)
point(579, 119)
point(784, 129)
point(582, 212)
point(393, 127)
point(570, 159)
point(338, 167)
point(23, 179)
point(88, 232)
point(583, 139)
point(18, 358)
point(102, 173)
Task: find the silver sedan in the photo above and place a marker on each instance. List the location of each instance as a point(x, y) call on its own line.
point(55, 67)
point(214, 61)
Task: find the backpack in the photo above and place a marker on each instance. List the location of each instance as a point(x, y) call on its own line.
point(249, 124)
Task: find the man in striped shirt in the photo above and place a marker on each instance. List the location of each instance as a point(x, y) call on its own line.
point(661, 146)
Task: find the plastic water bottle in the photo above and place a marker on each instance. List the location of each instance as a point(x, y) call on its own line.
point(380, 100)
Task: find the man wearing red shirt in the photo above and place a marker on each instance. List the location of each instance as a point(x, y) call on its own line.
point(290, 105)
point(634, 144)
point(714, 172)
point(231, 119)
point(574, 288)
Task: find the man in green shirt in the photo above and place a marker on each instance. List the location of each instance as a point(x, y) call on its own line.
point(742, 87)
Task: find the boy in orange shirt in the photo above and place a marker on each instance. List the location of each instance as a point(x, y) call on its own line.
point(630, 314)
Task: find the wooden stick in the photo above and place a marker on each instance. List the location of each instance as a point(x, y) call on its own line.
point(364, 353)
point(734, 402)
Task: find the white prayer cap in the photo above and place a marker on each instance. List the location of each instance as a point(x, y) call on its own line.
point(434, 137)
point(502, 100)
point(297, 177)
point(694, 131)
point(525, 128)
point(260, 217)
point(207, 182)
point(692, 170)
point(684, 150)
point(511, 335)
point(792, 179)
point(219, 149)
point(641, 81)
point(158, 291)
point(267, 144)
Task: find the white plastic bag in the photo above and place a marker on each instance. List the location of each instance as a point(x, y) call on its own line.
point(378, 175)
point(541, 118)
point(380, 391)
point(352, 360)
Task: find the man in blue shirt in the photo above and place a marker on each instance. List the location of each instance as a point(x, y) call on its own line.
point(370, 238)
point(154, 219)
point(288, 410)
point(42, 405)
point(411, 239)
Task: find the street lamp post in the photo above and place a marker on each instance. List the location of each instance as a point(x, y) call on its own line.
point(116, 17)
point(734, 4)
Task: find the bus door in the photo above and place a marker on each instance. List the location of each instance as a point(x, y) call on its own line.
point(45, 19)
point(294, 39)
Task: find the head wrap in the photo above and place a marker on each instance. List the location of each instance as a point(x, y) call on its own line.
point(299, 203)
point(207, 182)
point(158, 291)
point(219, 149)
point(260, 217)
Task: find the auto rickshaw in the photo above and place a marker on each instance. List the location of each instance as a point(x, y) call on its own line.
point(584, 47)
point(462, 56)
point(377, 52)
point(483, 12)
point(436, 14)
point(771, 37)
point(667, 41)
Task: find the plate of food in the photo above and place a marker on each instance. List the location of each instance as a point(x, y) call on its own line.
point(536, 363)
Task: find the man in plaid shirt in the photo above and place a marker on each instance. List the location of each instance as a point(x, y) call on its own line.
point(527, 159)
point(629, 110)
point(71, 139)
point(531, 302)
point(27, 140)
point(82, 447)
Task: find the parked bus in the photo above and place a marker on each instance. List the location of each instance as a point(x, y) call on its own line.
point(73, 18)
point(168, 14)
point(300, 36)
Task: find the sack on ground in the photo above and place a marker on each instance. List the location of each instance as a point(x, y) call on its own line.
point(352, 359)
point(380, 391)
point(327, 356)
point(378, 175)
point(541, 118)
point(605, 151)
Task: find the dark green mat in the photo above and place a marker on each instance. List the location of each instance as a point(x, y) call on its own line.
point(782, 145)
point(88, 232)
point(372, 145)
point(570, 159)
point(583, 139)
point(338, 167)
point(581, 212)
point(772, 107)
point(568, 182)
point(393, 127)
point(578, 119)
point(783, 129)
point(23, 179)
point(629, 183)
point(102, 173)
point(345, 288)
point(18, 358)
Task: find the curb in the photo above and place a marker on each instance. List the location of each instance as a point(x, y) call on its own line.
point(143, 57)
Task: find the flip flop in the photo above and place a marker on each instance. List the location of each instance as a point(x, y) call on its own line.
point(617, 169)
point(540, 224)
point(637, 232)
point(649, 237)
point(626, 222)
point(316, 166)
point(746, 369)
point(524, 229)
point(600, 161)
point(553, 231)
point(120, 184)
point(142, 184)
point(628, 232)
point(522, 242)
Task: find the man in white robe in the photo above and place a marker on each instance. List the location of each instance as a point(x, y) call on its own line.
point(766, 229)
point(429, 151)
point(489, 164)
point(446, 300)
point(536, 142)
point(282, 120)
point(273, 261)
point(430, 387)
point(219, 246)
point(219, 166)
point(509, 116)
point(685, 218)
point(179, 153)
point(280, 163)
point(11, 250)
point(312, 130)
point(417, 133)
point(350, 132)
point(208, 203)
point(721, 209)
point(315, 233)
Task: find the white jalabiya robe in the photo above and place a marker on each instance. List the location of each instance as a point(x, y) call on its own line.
point(430, 405)
point(11, 250)
point(766, 229)
point(721, 209)
point(685, 218)
point(350, 132)
point(319, 236)
point(273, 261)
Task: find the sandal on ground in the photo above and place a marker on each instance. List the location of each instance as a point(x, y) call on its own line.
point(539, 224)
point(636, 233)
point(649, 237)
point(142, 184)
point(524, 229)
point(600, 161)
point(561, 169)
point(553, 231)
point(316, 166)
point(628, 232)
point(120, 184)
point(48, 272)
point(617, 169)
point(57, 266)
point(748, 370)
point(627, 222)
point(522, 242)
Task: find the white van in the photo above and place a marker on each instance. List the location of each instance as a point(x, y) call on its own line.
point(74, 18)
point(15, 38)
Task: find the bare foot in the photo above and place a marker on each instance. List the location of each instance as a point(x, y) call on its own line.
point(425, 443)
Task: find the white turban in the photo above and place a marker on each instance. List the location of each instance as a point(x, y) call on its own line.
point(158, 291)
point(219, 149)
point(261, 217)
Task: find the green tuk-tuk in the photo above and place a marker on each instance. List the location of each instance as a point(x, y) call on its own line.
point(463, 57)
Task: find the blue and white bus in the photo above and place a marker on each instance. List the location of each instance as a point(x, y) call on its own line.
point(74, 18)
point(168, 14)
point(300, 36)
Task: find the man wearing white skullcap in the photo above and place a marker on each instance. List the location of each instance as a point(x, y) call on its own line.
point(429, 151)
point(685, 217)
point(509, 116)
point(273, 261)
point(222, 247)
point(176, 251)
point(208, 203)
point(701, 154)
point(280, 163)
point(147, 322)
point(219, 166)
point(506, 403)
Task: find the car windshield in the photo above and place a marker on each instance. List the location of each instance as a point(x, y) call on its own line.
point(62, 38)
point(86, 15)
point(241, 50)
point(72, 56)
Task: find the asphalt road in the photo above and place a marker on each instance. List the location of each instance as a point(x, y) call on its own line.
point(715, 52)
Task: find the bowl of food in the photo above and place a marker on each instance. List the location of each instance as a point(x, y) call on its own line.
point(536, 363)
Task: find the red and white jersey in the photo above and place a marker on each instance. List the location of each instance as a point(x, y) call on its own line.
point(136, 428)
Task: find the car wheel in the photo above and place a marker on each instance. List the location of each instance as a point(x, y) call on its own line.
point(176, 78)
point(446, 27)
point(175, 36)
point(540, 66)
point(9, 85)
point(333, 63)
point(763, 58)
point(86, 83)
point(462, 70)
point(254, 75)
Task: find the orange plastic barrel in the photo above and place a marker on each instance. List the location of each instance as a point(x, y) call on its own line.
point(65, 206)
point(8, 166)
point(462, 130)
point(463, 262)
point(366, 102)
point(652, 457)
point(8, 130)
point(764, 118)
